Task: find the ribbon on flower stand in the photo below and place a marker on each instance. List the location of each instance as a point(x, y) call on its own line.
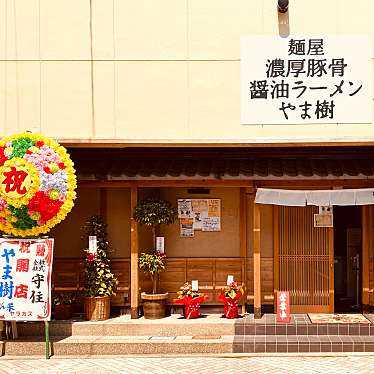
point(191, 305)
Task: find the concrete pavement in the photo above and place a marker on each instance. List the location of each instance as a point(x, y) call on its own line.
point(355, 364)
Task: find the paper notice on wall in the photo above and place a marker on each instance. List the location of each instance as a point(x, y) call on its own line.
point(213, 221)
point(186, 227)
point(214, 208)
point(323, 220)
point(200, 212)
point(212, 224)
point(185, 208)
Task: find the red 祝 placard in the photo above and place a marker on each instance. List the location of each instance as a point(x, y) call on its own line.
point(25, 279)
point(283, 306)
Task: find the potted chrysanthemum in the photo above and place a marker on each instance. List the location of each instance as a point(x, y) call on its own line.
point(191, 299)
point(230, 295)
point(100, 282)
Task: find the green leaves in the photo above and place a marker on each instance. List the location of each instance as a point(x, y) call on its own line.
point(153, 212)
point(99, 280)
point(20, 146)
point(24, 221)
point(152, 263)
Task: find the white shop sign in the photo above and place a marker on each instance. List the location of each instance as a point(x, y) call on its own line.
point(25, 284)
point(306, 79)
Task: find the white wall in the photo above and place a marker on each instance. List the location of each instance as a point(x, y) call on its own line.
point(165, 70)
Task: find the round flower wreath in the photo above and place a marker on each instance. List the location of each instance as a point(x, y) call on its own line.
point(37, 184)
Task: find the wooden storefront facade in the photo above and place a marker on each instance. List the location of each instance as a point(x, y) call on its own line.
point(299, 258)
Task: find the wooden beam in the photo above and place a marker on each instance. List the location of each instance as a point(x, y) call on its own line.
point(314, 183)
point(134, 286)
point(257, 260)
point(366, 225)
point(284, 183)
point(166, 183)
point(118, 143)
point(243, 243)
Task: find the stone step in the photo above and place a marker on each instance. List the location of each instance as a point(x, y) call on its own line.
point(181, 327)
point(227, 344)
point(141, 327)
point(120, 345)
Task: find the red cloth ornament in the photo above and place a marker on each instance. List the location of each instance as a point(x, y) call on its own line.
point(91, 257)
point(191, 305)
point(230, 309)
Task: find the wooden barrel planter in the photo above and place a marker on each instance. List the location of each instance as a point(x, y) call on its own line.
point(97, 308)
point(154, 305)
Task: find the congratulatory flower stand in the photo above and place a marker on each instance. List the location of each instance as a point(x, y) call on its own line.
point(100, 282)
point(37, 189)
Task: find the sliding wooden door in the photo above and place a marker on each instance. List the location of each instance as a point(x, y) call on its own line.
point(303, 260)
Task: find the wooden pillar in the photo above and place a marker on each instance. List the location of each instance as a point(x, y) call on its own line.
point(243, 243)
point(134, 286)
point(366, 233)
point(257, 260)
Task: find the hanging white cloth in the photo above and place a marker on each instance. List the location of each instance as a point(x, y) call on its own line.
point(359, 196)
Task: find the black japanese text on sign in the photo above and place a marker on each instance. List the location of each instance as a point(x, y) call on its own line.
point(25, 279)
point(306, 80)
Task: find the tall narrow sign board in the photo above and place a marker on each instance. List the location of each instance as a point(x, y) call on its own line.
point(25, 282)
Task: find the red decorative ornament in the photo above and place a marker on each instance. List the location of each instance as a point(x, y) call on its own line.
point(91, 257)
point(3, 158)
point(47, 207)
point(191, 305)
point(230, 309)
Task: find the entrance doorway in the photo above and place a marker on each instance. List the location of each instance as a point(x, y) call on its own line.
point(347, 259)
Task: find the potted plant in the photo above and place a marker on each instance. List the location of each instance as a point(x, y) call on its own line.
point(153, 213)
point(230, 295)
point(191, 300)
point(153, 304)
point(63, 305)
point(100, 282)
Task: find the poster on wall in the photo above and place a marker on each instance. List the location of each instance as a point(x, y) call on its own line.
point(213, 220)
point(185, 208)
point(25, 283)
point(186, 227)
point(200, 212)
point(204, 213)
point(306, 79)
